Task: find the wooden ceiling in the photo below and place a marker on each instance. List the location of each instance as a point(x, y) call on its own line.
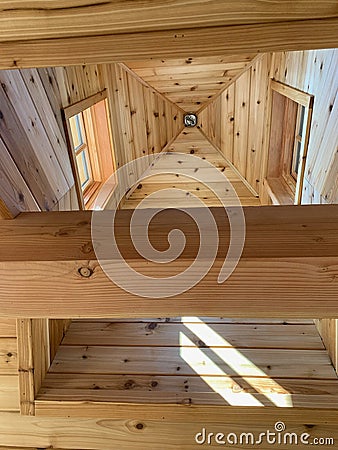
point(190, 83)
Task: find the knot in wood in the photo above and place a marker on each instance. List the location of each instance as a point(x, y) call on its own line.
point(85, 272)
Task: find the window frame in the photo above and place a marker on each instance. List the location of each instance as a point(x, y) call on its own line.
point(87, 194)
point(285, 186)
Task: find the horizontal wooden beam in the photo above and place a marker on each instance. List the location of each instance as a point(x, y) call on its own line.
point(289, 266)
point(175, 43)
point(23, 20)
point(139, 431)
point(179, 412)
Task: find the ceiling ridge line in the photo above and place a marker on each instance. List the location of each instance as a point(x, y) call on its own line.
point(234, 79)
point(146, 84)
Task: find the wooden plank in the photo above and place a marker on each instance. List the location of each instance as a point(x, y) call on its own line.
point(20, 21)
point(15, 192)
point(170, 432)
point(167, 335)
point(33, 354)
point(290, 260)
point(223, 320)
point(7, 328)
point(6, 213)
point(81, 105)
point(15, 139)
point(192, 361)
point(242, 108)
point(179, 62)
point(220, 40)
point(295, 95)
point(257, 120)
point(92, 398)
point(9, 393)
point(199, 189)
point(96, 404)
point(227, 122)
point(8, 356)
point(19, 97)
point(328, 329)
point(48, 117)
point(57, 329)
point(128, 388)
point(26, 367)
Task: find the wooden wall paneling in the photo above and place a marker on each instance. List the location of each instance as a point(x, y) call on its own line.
point(242, 107)
point(15, 193)
point(227, 122)
point(25, 109)
point(7, 328)
point(62, 85)
point(55, 134)
point(33, 360)
point(57, 329)
point(9, 393)
point(315, 72)
point(148, 107)
point(139, 124)
point(8, 356)
point(9, 382)
point(328, 329)
point(270, 296)
point(206, 120)
point(52, 90)
point(156, 122)
point(257, 118)
point(28, 163)
point(162, 123)
point(118, 109)
point(137, 112)
point(320, 80)
point(169, 121)
point(118, 102)
point(76, 88)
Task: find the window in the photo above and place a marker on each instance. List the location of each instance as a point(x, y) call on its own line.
point(298, 142)
point(289, 135)
point(91, 149)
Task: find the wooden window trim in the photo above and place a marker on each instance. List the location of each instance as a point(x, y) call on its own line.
point(300, 97)
point(98, 172)
point(86, 103)
point(288, 188)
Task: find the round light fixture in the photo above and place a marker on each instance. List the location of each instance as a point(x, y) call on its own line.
point(190, 120)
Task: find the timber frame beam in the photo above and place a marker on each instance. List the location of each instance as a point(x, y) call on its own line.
point(192, 41)
point(289, 266)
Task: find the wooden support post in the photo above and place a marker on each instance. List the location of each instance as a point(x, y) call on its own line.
point(33, 360)
point(289, 266)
